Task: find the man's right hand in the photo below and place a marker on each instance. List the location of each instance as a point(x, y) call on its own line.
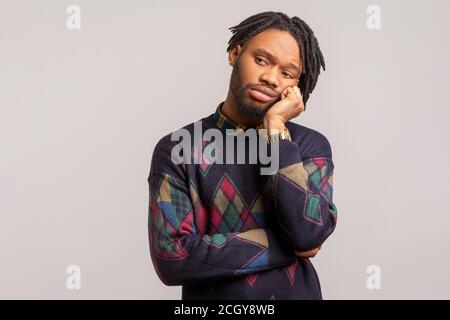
point(308, 254)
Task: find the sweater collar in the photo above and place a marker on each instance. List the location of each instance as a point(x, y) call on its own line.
point(224, 123)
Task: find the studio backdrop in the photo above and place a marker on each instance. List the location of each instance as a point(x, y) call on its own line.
point(87, 89)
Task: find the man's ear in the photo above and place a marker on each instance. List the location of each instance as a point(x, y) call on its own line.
point(234, 54)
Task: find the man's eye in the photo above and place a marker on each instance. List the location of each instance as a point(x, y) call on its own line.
point(287, 74)
point(259, 60)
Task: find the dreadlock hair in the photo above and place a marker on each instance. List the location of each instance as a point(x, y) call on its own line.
point(311, 56)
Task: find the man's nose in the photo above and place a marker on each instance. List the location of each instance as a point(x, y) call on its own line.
point(270, 78)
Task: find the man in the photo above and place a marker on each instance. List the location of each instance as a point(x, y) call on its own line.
point(225, 231)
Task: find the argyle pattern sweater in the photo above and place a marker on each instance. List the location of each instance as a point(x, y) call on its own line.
point(225, 231)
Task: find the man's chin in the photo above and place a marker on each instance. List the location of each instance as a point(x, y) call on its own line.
point(254, 110)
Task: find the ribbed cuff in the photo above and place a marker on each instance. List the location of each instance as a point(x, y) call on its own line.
point(289, 153)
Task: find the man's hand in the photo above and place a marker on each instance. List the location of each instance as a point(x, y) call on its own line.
point(308, 254)
point(290, 106)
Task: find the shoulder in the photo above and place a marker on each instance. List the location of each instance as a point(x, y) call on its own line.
point(162, 161)
point(167, 151)
point(185, 134)
point(312, 143)
point(168, 141)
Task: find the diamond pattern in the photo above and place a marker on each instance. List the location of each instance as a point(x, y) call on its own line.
point(229, 212)
point(290, 271)
point(165, 245)
point(316, 175)
point(251, 278)
point(172, 215)
point(321, 176)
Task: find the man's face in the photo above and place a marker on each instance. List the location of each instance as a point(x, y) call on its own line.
point(268, 62)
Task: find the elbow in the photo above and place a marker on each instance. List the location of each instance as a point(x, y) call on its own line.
point(169, 280)
point(167, 274)
point(306, 240)
point(166, 270)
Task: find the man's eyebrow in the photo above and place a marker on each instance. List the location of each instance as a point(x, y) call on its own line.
point(271, 56)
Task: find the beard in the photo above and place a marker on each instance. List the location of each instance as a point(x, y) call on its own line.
point(245, 105)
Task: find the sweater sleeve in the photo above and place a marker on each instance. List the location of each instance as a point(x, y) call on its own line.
point(303, 194)
point(181, 255)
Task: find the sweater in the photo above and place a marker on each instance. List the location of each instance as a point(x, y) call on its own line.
point(226, 231)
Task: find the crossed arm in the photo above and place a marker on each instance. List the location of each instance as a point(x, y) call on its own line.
point(184, 254)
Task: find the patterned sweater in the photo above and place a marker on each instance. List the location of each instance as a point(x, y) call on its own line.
point(226, 231)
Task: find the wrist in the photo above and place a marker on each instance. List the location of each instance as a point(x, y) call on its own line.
point(276, 131)
point(273, 124)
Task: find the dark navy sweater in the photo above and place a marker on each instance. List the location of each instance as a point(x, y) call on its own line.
point(226, 231)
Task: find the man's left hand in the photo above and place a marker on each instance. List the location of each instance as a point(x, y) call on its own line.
point(289, 107)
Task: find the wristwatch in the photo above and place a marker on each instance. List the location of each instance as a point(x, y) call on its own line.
point(281, 135)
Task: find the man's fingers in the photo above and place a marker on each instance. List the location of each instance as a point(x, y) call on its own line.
point(308, 254)
point(284, 93)
point(298, 94)
point(290, 91)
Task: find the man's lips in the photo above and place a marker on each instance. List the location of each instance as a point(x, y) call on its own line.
point(260, 95)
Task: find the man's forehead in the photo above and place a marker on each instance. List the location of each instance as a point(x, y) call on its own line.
point(279, 44)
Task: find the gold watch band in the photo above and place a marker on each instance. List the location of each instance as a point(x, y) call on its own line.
point(283, 135)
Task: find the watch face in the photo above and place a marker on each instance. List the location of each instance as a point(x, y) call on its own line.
point(285, 134)
point(278, 136)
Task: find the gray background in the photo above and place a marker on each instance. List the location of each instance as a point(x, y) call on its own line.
point(82, 110)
